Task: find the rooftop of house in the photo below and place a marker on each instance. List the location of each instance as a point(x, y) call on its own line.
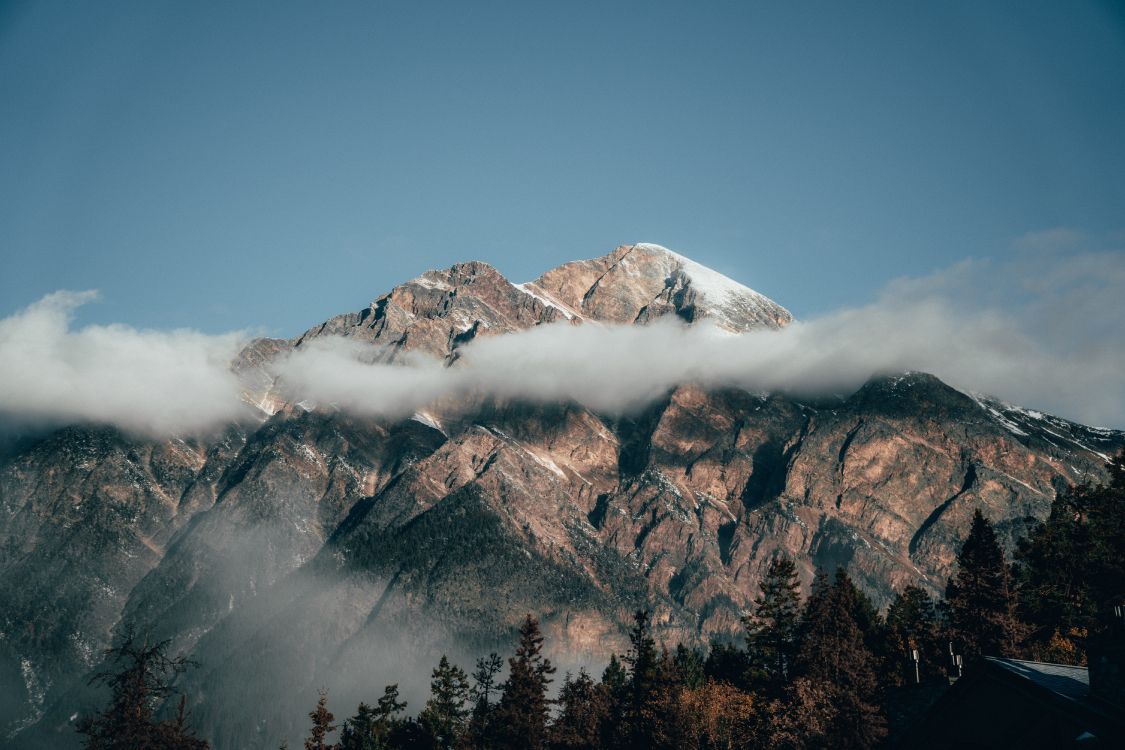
point(1064, 680)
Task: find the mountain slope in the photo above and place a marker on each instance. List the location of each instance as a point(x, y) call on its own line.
point(321, 549)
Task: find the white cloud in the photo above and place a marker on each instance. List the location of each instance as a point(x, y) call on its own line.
point(1043, 329)
point(152, 382)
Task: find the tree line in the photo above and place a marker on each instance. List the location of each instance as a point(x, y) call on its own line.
point(821, 672)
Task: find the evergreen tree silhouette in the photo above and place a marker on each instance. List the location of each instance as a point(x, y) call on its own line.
point(523, 710)
point(1070, 570)
point(373, 728)
point(484, 684)
point(728, 663)
point(771, 629)
point(583, 710)
point(140, 684)
point(833, 657)
point(689, 664)
point(912, 625)
point(647, 720)
point(615, 683)
point(322, 725)
point(979, 597)
point(444, 715)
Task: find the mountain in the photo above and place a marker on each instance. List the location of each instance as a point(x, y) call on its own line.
point(322, 549)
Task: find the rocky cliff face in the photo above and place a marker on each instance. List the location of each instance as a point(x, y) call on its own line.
point(320, 549)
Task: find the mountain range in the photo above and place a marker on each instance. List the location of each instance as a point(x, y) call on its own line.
point(314, 547)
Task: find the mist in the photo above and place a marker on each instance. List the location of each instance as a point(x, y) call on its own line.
point(1042, 330)
point(151, 382)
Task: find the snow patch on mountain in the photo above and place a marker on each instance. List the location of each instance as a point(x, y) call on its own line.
point(549, 300)
point(729, 303)
point(1025, 423)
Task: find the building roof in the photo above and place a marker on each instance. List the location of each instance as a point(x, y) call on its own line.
point(1064, 680)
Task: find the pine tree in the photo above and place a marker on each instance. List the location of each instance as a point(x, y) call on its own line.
point(648, 717)
point(444, 715)
point(641, 659)
point(833, 658)
point(860, 607)
point(484, 684)
point(522, 713)
point(689, 664)
point(1107, 524)
point(141, 684)
point(912, 625)
point(615, 678)
point(583, 711)
point(373, 728)
point(615, 683)
point(322, 725)
point(728, 663)
point(359, 731)
point(979, 597)
point(636, 719)
point(771, 630)
point(1070, 570)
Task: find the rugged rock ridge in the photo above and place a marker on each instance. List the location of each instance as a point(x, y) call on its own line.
point(323, 549)
point(440, 310)
point(638, 283)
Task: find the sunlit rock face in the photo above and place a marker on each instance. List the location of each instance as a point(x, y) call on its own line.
point(319, 549)
point(638, 283)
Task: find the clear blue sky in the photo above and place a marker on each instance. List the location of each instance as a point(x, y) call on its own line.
point(228, 165)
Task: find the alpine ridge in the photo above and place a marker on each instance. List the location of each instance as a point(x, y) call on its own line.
point(319, 548)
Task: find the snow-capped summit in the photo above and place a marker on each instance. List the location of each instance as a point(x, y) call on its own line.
point(637, 283)
point(443, 309)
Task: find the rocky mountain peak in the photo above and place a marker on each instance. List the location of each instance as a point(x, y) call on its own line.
point(635, 284)
point(641, 282)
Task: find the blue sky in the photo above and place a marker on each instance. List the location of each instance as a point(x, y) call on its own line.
point(237, 165)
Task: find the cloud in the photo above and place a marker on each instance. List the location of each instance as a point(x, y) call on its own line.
point(151, 382)
point(1051, 240)
point(1042, 328)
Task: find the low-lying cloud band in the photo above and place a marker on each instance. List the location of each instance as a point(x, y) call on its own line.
point(1043, 330)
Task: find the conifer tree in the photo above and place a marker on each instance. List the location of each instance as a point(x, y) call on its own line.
point(140, 684)
point(358, 732)
point(728, 663)
point(833, 658)
point(859, 605)
point(1053, 575)
point(443, 716)
point(637, 714)
point(648, 716)
point(522, 713)
point(979, 597)
point(322, 725)
point(583, 711)
point(689, 664)
point(912, 625)
point(373, 728)
point(484, 684)
point(771, 629)
point(641, 659)
point(1070, 569)
point(615, 683)
point(615, 678)
point(1107, 522)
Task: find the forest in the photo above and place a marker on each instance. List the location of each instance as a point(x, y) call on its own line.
point(827, 671)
